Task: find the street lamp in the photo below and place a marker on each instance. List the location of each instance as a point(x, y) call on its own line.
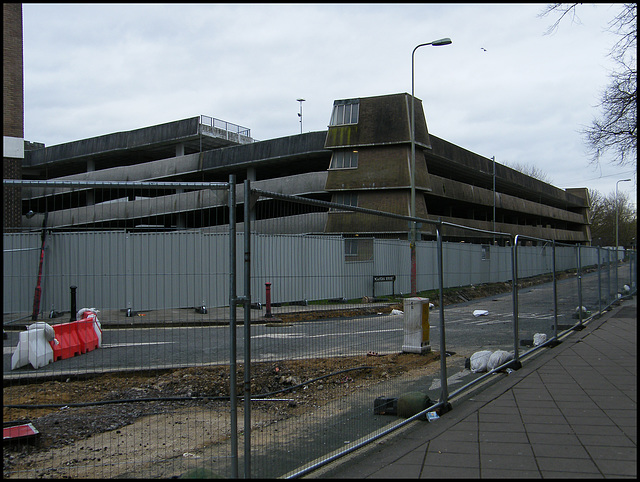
point(300, 114)
point(621, 180)
point(435, 43)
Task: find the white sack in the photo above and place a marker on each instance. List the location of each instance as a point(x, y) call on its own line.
point(478, 361)
point(498, 358)
point(539, 339)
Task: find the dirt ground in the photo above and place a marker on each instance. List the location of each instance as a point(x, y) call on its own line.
point(305, 384)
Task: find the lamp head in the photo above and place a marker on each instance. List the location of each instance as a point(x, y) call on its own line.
point(442, 41)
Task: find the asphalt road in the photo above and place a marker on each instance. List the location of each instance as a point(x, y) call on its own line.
point(170, 346)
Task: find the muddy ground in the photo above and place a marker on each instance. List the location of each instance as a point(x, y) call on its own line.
point(97, 431)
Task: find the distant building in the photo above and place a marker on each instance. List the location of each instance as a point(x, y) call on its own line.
point(362, 159)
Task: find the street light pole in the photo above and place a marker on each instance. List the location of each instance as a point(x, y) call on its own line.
point(617, 259)
point(300, 114)
point(412, 241)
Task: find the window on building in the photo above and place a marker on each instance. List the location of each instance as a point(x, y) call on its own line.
point(358, 249)
point(348, 199)
point(345, 112)
point(344, 159)
point(350, 247)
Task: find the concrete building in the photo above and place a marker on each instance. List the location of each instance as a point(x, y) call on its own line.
point(362, 159)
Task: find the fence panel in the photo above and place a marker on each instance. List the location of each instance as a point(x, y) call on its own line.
point(145, 392)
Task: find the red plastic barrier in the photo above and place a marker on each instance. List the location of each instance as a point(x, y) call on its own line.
point(87, 334)
point(68, 341)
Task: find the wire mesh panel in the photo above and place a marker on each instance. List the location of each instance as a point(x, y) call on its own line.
point(120, 361)
point(478, 307)
point(479, 301)
point(327, 332)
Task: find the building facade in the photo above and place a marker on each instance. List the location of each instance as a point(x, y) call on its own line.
point(363, 159)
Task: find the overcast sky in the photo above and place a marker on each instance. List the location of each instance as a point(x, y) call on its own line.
point(502, 88)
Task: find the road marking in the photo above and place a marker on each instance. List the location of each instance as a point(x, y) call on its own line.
point(281, 335)
point(8, 350)
point(304, 335)
point(120, 345)
point(492, 322)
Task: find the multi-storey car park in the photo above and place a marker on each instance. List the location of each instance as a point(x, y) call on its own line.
point(362, 159)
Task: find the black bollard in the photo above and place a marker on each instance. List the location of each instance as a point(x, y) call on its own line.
point(73, 303)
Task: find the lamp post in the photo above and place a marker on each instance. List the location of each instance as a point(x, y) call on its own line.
point(435, 43)
point(300, 114)
point(621, 180)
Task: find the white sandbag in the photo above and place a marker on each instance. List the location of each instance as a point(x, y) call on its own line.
point(499, 357)
point(80, 314)
point(539, 339)
point(478, 361)
point(49, 332)
point(477, 313)
point(397, 312)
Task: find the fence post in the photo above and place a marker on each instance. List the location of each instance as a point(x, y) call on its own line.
point(555, 292)
point(633, 262)
point(608, 277)
point(579, 278)
point(599, 283)
point(247, 328)
point(233, 400)
point(514, 269)
point(444, 390)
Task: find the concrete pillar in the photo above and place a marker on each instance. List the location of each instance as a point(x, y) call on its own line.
point(91, 167)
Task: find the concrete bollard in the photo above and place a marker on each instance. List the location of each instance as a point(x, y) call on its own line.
point(416, 325)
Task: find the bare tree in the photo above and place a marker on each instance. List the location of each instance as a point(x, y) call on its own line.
point(602, 215)
point(616, 129)
point(530, 170)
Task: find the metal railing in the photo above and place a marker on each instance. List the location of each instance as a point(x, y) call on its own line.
point(228, 127)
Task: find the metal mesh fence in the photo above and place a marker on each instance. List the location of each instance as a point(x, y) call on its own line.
point(256, 342)
point(150, 398)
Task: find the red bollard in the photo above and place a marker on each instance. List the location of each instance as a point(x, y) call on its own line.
point(268, 294)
